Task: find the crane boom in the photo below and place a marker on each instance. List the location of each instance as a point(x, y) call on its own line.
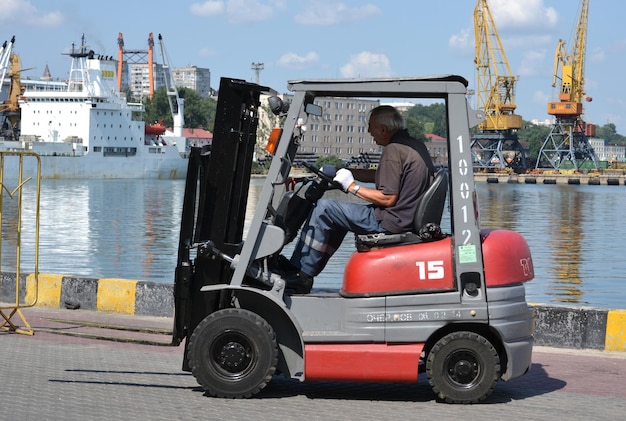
point(5, 55)
point(496, 83)
point(175, 101)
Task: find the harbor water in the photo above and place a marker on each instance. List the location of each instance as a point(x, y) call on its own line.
point(128, 229)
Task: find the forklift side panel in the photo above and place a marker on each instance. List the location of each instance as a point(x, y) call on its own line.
point(331, 318)
point(409, 269)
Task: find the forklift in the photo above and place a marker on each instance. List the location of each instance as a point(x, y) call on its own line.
point(450, 305)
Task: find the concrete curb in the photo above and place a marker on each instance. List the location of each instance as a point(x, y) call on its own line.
point(560, 327)
point(134, 297)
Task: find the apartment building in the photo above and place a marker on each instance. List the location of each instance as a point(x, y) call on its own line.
point(192, 77)
point(341, 130)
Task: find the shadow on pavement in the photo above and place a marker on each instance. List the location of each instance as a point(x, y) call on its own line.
point(535, 383)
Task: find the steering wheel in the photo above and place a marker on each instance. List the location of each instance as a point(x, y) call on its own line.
point(321, 174)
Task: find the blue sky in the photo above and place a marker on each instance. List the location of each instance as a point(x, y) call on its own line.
point(340, 38)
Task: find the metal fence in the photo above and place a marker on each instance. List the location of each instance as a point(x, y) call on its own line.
point(20, 182)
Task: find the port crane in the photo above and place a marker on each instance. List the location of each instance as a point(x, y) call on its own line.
point(10, 64)
point(177, 103)
point(495, 143)
point(567, 145)
point(5, 54)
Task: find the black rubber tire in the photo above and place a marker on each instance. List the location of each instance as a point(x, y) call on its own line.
point(463, 367)
point(233, 353)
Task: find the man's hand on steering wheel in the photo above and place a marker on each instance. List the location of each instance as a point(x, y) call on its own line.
point(345, 178)
point(326, 173)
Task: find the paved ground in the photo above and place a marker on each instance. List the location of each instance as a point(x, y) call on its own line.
point(51, 376)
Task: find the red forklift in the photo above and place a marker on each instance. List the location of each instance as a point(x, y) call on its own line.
point(450, 305)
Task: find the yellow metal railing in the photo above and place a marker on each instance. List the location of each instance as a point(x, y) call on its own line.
point(20, 184)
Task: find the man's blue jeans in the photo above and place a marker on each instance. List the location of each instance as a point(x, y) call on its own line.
point(326, 228)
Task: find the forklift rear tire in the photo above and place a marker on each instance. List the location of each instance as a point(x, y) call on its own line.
point(463, 367)
point(233, 353)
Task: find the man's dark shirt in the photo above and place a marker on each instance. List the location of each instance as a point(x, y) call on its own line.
point(405, 169)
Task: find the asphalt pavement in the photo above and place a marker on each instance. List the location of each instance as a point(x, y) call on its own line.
point(89, 365)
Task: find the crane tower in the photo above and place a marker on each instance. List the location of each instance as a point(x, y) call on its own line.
point(495, 144)
point(127, 56)
point(567, 146)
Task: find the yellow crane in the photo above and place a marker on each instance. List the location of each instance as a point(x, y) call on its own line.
point(570, 78)
point(567, 146)
point(495, 145)
point(10, 64)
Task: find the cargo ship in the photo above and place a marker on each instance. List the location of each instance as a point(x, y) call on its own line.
point(85, 128)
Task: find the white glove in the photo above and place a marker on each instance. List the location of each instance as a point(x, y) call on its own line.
point(345, 178)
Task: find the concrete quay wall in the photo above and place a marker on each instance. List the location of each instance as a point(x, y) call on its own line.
point(556, 326)
point(592, 179)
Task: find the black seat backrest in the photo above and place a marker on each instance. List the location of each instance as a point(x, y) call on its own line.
point(431, 206)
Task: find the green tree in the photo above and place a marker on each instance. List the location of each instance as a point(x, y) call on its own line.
point(609, 133)
point(422, 119)
point(329, 160)
point(534, 136)
point(199, 112)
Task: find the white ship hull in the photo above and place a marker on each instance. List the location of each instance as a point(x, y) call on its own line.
point(86, 129)
point(163, 165)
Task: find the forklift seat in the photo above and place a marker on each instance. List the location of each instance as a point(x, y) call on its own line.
point(425, 223)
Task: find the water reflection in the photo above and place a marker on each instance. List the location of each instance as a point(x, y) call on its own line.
point(129, 229)
point(568, 229)
point(566, 243)
point(102, 228)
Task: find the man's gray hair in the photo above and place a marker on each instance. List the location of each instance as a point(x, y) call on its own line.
point(388, 116)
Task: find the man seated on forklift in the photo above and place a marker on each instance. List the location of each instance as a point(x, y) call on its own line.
point(404, 173)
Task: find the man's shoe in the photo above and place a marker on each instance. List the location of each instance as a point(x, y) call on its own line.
point(299, 283)
point(281, 265)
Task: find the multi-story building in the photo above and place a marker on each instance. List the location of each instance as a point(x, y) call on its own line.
point(341, 130)
point(194, 78)
point(606, 152)
point(139, 79)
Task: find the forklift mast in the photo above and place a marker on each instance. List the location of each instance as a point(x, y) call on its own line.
point(214, 206)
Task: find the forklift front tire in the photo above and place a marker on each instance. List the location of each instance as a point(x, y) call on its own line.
point(233, 353)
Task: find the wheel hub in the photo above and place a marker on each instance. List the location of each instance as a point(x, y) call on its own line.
point(232, 355)
point(464, 369)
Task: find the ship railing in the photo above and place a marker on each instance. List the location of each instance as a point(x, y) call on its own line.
point(19, 218)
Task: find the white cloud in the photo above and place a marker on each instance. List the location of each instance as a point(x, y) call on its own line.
point(22, 12)
point(206, 52)
point(531, 61)
point(242, 11)
point(367, 64)
point(236, 11)
point(462, 41)
point(294, 61)
point(331, 13)
point(208, 8)
point(524, 15)
point(541, 98)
